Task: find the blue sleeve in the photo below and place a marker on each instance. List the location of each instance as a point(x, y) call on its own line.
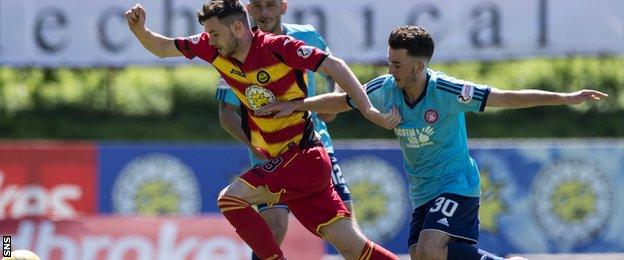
point(375, 94)
point(313, 38)
point(225, 94)
point(320, 42)
point(462, 96)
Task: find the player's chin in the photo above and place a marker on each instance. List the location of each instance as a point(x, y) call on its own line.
point(223, 52)
point(265, 27)
point(399, 83)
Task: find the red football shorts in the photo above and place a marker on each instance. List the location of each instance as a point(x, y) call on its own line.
point(303, 179)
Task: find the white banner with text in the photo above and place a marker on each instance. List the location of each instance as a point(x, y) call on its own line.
point(94, 33)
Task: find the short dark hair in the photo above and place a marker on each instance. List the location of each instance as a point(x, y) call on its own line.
point(222, 9)
point(415, 39)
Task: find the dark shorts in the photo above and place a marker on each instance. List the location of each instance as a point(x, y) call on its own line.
point(452, 214)
point(340, 186)
point(302, 178)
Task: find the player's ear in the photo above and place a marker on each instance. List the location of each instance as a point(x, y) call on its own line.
point(237, 27)
point(420, 66)
point(284, 6)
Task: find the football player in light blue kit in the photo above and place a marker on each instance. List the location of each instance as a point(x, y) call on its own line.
point(267, 15)
point(443, 179)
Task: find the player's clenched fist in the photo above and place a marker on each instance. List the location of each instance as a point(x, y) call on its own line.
point(136, 17)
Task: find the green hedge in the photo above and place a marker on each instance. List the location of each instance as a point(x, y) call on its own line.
point(178, 103)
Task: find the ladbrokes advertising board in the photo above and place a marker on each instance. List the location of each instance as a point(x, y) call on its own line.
point(47, 180)
point(537, 197)
point(117, 238)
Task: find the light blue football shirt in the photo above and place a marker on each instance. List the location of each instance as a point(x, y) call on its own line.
point(308, 34)
point(432, 134)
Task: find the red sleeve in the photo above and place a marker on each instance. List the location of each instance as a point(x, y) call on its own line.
point(196, 46)
point(296, 54)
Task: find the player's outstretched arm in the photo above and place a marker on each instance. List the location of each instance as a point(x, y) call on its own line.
point(532, 98)
point(326, 103)
point(157, 44)
point(338, 70)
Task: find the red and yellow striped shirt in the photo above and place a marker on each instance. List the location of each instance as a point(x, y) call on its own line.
point(274, 70)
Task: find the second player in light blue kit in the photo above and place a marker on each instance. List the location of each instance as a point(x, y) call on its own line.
point(267, 15)
point(443, 179)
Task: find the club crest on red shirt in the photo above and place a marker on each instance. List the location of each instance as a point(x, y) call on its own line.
point(263, 77)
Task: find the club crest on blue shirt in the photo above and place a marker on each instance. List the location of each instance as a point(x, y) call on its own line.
point(466, 94)
point(431, 116)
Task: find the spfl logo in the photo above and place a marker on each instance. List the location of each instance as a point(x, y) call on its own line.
point(6, 246)
point(156, 184)
point(381, 194)
point(466, 94)
point(572, 202)
point(305, 51)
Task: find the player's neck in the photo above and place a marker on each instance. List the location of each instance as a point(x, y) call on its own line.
point(414, 90)
point(278, 30)
point(244, 48)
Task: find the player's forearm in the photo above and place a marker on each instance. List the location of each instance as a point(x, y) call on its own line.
point(156, 43)
point(326, 103)
point(340, 72)
point(524, 98)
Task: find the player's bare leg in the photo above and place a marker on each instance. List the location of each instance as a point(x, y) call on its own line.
point(235, 203)
point(351, 243)
point(412, 251)
point(344, 236)
point(349, 206)
point(277, 219)
point(432, 245)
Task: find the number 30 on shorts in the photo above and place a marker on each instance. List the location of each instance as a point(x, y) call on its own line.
point(447, 206)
